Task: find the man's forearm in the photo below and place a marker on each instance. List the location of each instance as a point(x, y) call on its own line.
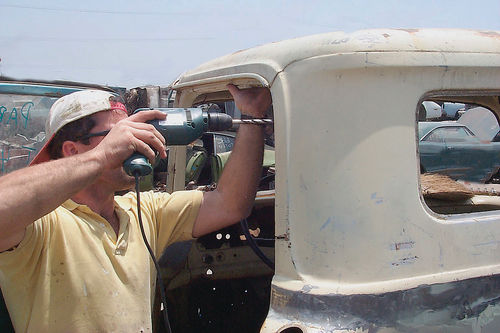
point(241, 175)
point(235, 194)
point(28, 194)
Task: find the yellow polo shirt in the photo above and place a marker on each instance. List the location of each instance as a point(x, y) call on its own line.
point(71, 273)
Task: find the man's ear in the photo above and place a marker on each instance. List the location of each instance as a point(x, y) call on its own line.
point(69, 148)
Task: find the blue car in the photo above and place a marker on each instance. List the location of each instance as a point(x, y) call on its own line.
point(452, 149)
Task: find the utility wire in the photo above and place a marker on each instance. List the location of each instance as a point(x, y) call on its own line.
point(111, 39)
point(95, 11)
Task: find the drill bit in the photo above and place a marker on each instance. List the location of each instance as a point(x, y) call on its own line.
point(254, 121)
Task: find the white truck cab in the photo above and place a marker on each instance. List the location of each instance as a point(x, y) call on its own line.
point(358, 247)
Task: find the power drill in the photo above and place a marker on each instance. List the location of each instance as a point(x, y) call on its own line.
point(181, 127)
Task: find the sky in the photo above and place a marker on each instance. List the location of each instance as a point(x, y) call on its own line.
point(151, 42)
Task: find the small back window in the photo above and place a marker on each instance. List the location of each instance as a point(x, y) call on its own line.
point(459, 155)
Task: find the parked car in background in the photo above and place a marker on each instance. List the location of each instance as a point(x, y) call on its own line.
point(452, 149)
point(24, 107)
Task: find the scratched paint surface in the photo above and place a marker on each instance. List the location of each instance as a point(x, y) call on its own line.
point(22, 129)
point(461, 306)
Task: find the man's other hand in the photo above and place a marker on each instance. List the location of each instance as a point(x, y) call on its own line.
point(251, 102)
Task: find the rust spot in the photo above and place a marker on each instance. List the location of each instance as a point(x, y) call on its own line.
point(405, 261)
point(239, 51)
point(492, 34)
point(278, 298)
point(284, 237)
point(58, 95)
point(402, 245)
point(410, 31)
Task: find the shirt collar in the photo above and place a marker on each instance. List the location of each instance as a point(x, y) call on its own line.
point(70, 205)
point(123, 202)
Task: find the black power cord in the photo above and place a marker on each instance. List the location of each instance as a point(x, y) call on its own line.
point(253, 244)
point(158, 272)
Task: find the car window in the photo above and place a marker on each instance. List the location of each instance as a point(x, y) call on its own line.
point(448, 134)
point(22, 123)
point(459, 156)
point(223, 143)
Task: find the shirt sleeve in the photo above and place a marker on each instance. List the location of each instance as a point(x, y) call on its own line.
point(175, 215)
point(24, 258)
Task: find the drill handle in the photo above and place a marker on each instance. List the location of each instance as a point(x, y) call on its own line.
point(137, 164)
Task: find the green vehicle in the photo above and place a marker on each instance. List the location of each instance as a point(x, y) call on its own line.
point(452, 149)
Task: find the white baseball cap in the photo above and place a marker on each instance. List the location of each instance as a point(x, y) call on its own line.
point(73, 107)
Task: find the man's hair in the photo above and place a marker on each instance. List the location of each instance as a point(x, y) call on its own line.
point(70, 132)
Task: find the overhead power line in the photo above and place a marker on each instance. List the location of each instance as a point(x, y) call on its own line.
point(99, 39)
point(95, 11)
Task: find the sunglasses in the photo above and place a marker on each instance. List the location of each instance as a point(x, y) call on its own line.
point(90, 135)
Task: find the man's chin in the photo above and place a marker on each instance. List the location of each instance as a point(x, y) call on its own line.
point(120, 180)
point(127, 182)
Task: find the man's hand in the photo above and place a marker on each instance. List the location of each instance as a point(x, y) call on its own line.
point(251, 102)
point(131, 135)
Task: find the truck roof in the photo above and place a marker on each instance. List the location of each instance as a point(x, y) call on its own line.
point(269, 59)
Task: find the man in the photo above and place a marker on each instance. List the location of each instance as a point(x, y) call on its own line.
point(71, 255)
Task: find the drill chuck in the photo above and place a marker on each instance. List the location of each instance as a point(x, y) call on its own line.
point(219, 122)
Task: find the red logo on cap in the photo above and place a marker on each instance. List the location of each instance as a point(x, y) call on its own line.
point(117, 106)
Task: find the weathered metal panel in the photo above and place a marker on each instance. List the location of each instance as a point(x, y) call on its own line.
point(463, 306)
